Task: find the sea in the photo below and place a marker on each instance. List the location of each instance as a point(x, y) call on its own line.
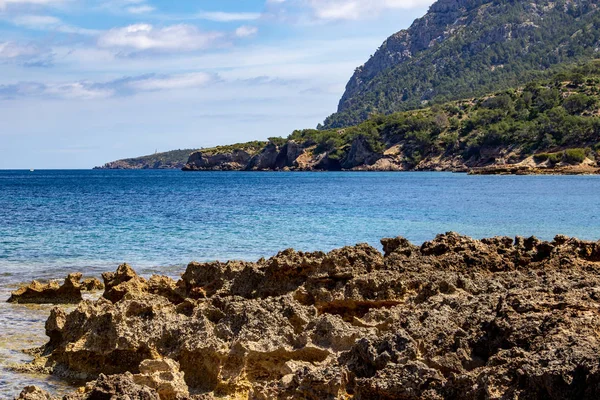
point(90, 221)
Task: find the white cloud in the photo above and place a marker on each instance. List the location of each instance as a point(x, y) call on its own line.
point(5, 3)
point(220, 16)
point(147, 37)
point(11, 50)
point(332, 10)
point(123, 7)
point(25, 54)
point(142, 9)
point(84, 90)
point(246, 31)
point(92, 90)
point(77, 90)
point(173, 82)
point(50, 23)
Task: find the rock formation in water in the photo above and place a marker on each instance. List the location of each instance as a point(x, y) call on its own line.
point(454, 318)
point(55, 293)
point(50, 293)
point(92, 285)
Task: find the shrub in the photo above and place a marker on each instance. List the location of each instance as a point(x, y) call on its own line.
point(553, 158)
point(278, 141)
point(502, 101)
point(575, 156)
point(578, 103)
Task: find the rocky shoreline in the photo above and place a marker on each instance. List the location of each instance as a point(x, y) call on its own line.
point(293, 156)
point(535, 170)
point(454, 318)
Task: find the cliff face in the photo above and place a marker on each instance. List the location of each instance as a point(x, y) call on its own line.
point(462, 48)
point(174, 159)
point(235, 160)
point(291, 156)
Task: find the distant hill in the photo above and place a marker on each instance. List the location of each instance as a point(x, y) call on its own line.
point(466, 48)
point(174, 159)
point(550, 125)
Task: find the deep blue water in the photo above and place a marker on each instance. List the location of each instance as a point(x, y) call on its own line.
point(65, 220)
point(54, 222)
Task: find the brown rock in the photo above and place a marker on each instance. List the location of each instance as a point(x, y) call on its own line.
point(124, 280)
point(164, 377)
point(454, 318)
point(117, 387)
point(92, 285)
point(34, 393)
point(50, 293)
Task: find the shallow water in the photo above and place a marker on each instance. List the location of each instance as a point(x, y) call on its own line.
point(56, 222)
point(22, 327)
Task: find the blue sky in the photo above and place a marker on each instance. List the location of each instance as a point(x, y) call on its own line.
point(83, 82)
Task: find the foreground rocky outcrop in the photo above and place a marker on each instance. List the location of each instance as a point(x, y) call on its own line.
point(454, 318)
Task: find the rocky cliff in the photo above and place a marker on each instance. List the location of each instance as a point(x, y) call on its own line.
point(546, 126)
point(174, 159)
point(454, 318)
point(463, 48)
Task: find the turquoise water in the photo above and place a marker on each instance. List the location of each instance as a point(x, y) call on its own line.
point(64, 220)
point(54, 222)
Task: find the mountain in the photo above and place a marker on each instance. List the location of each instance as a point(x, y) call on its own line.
point(545, 126)
point(466, 48)
point(174, 159)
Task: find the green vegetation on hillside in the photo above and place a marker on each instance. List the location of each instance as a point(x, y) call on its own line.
point(249, 147)
point(174, 159)
point(543, 116)
point(494, 45)
point(555, 120)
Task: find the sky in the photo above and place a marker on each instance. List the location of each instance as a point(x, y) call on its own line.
point(85, 82)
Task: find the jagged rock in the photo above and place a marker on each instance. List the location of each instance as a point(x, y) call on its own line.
point(237, 159)
point(164, 286)
point(360, 154)
point(92, 285)
point(453, 318)
point(265, 160)
point(288, 155)
point(121, 282)
point(50, 293)
point(34, 393)
point(125, 281)
point(164, 377)
point(116, 387)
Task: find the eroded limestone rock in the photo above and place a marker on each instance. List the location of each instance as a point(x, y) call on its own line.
point(454, 318)
point(49, 293)
point(92, 285)
point(163, 376)
point(115, 387)
point(125, 281)
point(34, 393)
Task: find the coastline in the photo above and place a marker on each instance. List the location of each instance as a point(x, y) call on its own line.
point(490, 170)
point(427, 321)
